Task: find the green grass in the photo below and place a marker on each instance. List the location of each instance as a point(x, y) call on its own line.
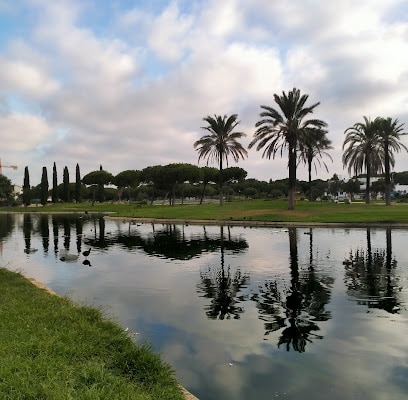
point(51, 348)
point(254, 210)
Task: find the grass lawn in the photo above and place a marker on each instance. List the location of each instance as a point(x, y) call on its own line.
point(51, 348)
point(254, 210)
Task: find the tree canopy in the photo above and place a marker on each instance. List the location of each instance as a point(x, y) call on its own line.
point(286, 129)
point(220, 143)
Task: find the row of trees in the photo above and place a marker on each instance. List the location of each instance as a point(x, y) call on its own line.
point(178, 180)
point(369, 146)
point(61, 192)
point(165, 181)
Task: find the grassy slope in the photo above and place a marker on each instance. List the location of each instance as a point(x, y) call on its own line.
point(256, 210)
point(53, 349)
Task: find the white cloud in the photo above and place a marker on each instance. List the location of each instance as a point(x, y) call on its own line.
point(131, 90)
point(21, 77)
point(168, 33)
point(22, 133)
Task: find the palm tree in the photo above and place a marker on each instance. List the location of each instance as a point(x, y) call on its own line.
point(363, 151)
point(390, 133)
point(316, 142)
point(220, 143)
point(277, 131)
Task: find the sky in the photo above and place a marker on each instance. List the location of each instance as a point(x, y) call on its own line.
point(126, 84)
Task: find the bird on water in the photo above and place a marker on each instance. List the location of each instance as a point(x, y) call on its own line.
point(86, 253)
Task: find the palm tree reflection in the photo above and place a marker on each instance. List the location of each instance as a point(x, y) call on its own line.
point(369, 276)
point(218, 284)
point(295, 311)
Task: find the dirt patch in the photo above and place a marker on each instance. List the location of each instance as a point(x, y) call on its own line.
point(42, 286)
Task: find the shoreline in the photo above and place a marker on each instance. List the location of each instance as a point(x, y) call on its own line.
point(40, 285)
point(231, 222)
point(251, 223)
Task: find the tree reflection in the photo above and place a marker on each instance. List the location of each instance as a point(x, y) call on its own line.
point(27, 229)
point(295, 311)
point(79, 226)
point(99, 239)
point(6, 227)
point(55, 233)
point(171, 242)
point(369, 276)
point(65, 223)
point(45, 231)
point(218, 284)
point(67, 233)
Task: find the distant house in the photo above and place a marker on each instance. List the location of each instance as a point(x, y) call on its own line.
point(17, 191)
point(399, 190)
point(363, 181)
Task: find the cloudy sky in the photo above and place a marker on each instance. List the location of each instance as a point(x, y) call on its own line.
point(126, 84)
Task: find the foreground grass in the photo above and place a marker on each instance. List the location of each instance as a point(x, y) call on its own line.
point(255, 210)
point(53, 349)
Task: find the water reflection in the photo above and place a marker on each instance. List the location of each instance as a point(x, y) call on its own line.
point(295, 311)
point(273, 303)
point(27, 229)
point(6, 227)
point(370, 278)
point(170, 241)
point(218, 284)
point(45, 232)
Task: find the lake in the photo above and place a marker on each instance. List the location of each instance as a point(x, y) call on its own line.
point(240, 313)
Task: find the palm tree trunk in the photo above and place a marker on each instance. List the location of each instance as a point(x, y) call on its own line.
point(387, 174)
point(310, 178)
point(202, 193)
point(368, 178)
point(221, 182)
point(292, 177)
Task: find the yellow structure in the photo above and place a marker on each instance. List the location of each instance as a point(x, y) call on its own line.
point(6, 166)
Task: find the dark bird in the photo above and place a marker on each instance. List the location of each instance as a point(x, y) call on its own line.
point(86, 253)
point(87, 262)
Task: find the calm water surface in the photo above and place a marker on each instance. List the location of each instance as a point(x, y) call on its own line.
point(240, 313)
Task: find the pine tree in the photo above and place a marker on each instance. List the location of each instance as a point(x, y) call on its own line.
point(54, 185)
point(26, 188)
point(44, 186)
point(78, 185)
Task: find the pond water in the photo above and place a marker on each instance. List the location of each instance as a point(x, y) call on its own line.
point(240, 313)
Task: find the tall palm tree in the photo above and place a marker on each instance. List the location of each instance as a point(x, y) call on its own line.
point(390, 132)
point(220, 143)
point(363, 151)
point(285, 129)
point(312, 151)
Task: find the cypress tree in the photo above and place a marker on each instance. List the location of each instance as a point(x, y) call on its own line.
point(67, 197)
point(78, 185)
point(26, 188)
point(44, 186)
point(54, 184)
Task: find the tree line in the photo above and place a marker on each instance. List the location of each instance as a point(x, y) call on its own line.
point(168, 182)
point(369, 147)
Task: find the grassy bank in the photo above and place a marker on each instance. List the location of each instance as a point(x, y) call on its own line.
point(255, 210)
point(53, 349)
